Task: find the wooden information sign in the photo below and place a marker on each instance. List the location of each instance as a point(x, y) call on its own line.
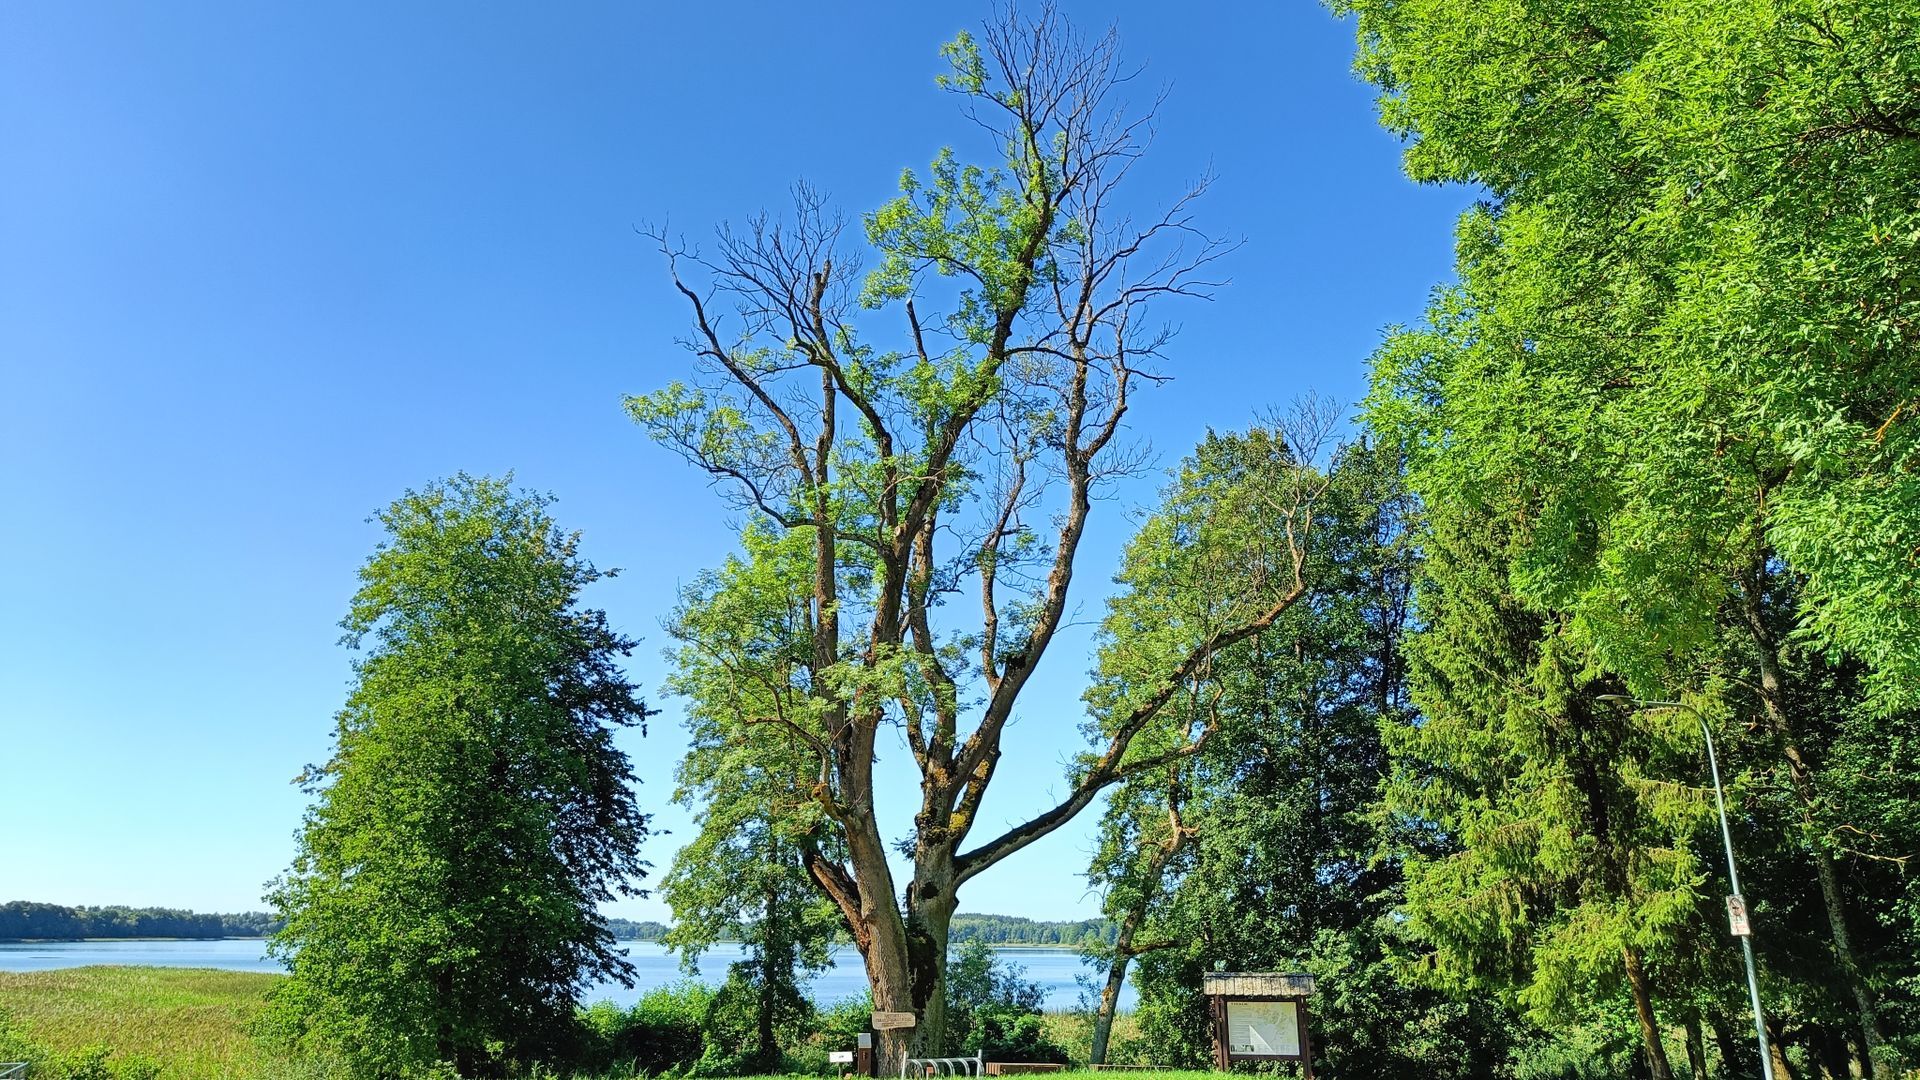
point(1259, 1016)
point(888, 1021)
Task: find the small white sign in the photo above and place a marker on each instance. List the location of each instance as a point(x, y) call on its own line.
point(1263, 1028)
point(841, 1057)
point(1737, 916)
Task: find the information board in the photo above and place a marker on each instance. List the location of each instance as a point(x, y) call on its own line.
point(1263, 1028)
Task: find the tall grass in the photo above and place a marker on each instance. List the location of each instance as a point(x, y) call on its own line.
point(194, 1021)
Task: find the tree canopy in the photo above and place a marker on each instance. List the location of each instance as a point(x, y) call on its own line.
point(444, 902)
point(1664, 426)
point(937, 427)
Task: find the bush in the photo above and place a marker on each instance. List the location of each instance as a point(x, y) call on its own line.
point(1007, 1036)
point(994, 1010)
point(662, 1034)
point(838, 1027)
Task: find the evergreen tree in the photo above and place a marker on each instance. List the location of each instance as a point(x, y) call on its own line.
point(1668, 410)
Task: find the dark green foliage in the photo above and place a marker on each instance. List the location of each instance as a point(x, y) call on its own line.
point(29, 921)
point(1279, 866)
point(644, 930)
point(664, 1033)
point(443, 906)
point(993, 1009)
point(1014, 930)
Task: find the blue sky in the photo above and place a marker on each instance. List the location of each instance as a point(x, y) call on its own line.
point(264, 267)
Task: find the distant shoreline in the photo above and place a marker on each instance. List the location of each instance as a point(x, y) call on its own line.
point(1012, 946)
point(58, 940)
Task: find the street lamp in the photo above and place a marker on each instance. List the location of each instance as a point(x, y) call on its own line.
point(1736, 904)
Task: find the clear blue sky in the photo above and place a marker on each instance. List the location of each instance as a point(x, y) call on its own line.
point(265, 266)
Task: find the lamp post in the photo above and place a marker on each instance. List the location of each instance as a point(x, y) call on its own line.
point(1736, 904)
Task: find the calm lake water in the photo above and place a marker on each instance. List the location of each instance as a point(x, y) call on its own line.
point(1054, 969)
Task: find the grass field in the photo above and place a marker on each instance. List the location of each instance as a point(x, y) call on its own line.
point(194, 1022)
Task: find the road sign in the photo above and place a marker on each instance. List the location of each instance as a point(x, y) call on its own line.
point(887, 1021)
point(1737, 916)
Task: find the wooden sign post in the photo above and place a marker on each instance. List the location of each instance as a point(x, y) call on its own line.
point(863, 1063)
point(1259, 1016)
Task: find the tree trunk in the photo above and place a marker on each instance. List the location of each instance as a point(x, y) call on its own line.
point(1123, 943)
point(767, 1052)
point(1800, 770)
point(1878, 1057)
point(930, 906)
point(1777, 1044)
point(1637, 981)
point(1696, 1047)
point(1830, 1046)
point(1109, 1004)
point(886, 958)
point(873, 915)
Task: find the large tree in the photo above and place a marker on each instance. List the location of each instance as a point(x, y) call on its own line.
point(962, 456)
point(1261, 851)
point(1683, 343)
point(443, 905)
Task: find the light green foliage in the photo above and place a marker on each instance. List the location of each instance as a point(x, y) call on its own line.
point(1665, 423)
point(938, 426)
point(475, 811)
point(743, 877)
point(1693, 303)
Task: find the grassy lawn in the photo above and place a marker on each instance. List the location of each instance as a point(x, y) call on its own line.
point(195, 1022)
point(192, 1020)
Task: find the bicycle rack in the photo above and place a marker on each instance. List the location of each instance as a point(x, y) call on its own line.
point(945, 1066)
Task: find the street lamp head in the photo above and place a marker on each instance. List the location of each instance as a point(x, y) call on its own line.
point(1615, 697)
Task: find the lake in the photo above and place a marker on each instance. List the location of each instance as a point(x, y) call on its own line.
point(1054, 969)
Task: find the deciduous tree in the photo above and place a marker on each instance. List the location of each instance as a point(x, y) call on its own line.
point(443, 904)
point(885, 480)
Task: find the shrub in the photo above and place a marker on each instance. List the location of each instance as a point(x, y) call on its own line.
point(662, 1034)
point(993, 1009)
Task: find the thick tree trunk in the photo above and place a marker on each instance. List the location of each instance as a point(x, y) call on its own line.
point(887, 974)
point(1800, 771)
point(930, 906)
point(867, 902)
point(1637, 981)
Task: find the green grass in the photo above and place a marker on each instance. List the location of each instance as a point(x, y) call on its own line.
point(196, 1022)
point(193, 1020)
